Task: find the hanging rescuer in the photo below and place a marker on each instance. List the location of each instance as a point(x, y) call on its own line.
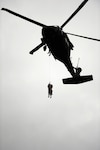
point(50, 91)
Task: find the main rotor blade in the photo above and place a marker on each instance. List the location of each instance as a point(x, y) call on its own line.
point(84, 37)
point(36, 48)
point(23, 17)
point(74, 13)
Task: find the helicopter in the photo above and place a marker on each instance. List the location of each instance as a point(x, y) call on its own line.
point(59, 45)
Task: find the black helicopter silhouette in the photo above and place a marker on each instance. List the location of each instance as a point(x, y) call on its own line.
point(59, 45)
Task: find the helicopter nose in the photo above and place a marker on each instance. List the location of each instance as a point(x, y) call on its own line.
point(44, 32)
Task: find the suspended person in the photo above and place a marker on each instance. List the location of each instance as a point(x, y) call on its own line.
point(50, 91)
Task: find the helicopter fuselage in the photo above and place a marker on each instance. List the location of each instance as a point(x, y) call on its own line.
point(59, 45)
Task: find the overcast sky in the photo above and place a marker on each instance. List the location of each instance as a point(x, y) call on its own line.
point(29, 120)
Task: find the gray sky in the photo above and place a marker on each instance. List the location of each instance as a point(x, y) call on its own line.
point(29, 120)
